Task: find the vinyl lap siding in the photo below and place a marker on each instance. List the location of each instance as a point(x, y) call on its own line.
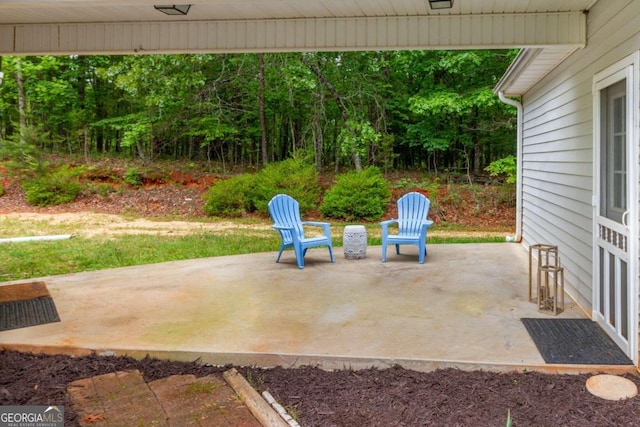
point(558, 144)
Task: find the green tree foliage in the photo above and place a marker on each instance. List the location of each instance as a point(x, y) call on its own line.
point(401, 109)
point(459, 116)
point(61, 98)
point(505, 167)
point(357, 196)
point(357, 137)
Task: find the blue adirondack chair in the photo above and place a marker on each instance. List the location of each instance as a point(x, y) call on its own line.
point(413, 224)
point(285, 213)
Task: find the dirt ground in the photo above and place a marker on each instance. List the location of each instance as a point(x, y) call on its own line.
point(371, 397)
point(136, 211)
point(457, 205)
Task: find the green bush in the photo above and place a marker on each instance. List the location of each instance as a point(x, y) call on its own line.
point(248, 193)
point(103, 189)
point(231, 197)
point(133, 177)
point(295, 177)
point(1, 190)
point(506, 167)
point(357, 196)
point(23, 157)
point(54, 188)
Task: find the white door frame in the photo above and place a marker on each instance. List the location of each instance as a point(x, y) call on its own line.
point(627, 69)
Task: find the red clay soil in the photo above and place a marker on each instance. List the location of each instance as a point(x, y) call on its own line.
point(371, 397)
point(481, 206)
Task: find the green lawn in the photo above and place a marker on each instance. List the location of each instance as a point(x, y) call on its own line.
point(34, 259)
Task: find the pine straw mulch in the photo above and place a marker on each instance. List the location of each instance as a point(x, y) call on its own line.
point(371, 397)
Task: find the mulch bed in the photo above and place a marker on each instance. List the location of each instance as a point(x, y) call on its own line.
point(371, 397)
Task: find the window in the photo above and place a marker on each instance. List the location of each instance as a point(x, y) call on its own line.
point(613, 140)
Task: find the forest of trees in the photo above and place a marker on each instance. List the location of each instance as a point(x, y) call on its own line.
point(433, 110)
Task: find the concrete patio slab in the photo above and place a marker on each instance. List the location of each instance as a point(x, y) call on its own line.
point(462, 309)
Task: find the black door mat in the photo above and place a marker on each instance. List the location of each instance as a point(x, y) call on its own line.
point(26, 304)
point(574, 342)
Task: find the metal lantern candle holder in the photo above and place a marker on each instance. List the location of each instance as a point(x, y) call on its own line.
point(549, 278)
point(551, 289)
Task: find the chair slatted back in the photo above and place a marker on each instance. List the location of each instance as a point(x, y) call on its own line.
point(285, 211)
point(413, 208)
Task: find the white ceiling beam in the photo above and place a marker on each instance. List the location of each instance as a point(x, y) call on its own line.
point(489, 31)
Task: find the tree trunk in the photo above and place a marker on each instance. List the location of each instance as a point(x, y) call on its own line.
point(477, 147)
point(1, 125)
point(86, 143)
point(477, 155)
point(261, 105)
point(21, 100)
point(82, 99)
point(318, 138)
point(339, 101)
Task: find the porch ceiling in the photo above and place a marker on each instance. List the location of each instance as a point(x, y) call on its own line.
point(554, 28)
point(93, 11)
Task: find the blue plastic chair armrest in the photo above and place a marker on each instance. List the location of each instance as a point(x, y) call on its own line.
point(283, 227)
point(325, 226)
point(315, 223)
point(424, 226)
point(385, 224)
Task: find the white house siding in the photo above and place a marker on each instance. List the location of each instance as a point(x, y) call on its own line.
point(558, 144)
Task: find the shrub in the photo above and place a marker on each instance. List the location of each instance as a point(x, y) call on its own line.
point(23, 157)
point(357, 196)
point(248, 193)
point(54, 188)
point(133, 177)
point(295, 177)
point(231, 197)
point(506, 167)
point(103, 189)
point(1, 190)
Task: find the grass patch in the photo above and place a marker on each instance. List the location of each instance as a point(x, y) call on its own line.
point(14, 227)
point(26, 260)
point(37, 259)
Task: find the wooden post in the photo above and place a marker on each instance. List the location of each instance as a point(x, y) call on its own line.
point(259, 407)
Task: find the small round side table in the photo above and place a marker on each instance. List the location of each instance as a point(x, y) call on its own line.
point(354, 242)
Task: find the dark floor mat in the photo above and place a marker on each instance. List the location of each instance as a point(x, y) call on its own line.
point(26, 304)
point(574, 342)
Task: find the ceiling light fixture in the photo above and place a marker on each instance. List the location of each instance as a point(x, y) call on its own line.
point(173, 9)
point(441, 4)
